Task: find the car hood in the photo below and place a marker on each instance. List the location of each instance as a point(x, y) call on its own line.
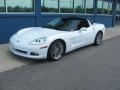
point(36, 32)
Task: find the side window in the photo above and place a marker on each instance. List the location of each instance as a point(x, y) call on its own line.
point(72, 25)
point(83, 23)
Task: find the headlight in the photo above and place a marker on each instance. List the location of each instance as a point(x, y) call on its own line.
point(38, 41)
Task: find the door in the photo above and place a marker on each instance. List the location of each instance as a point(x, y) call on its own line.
point(117, 19)
point(88, 35)
point(118, 13)
point(77, 39)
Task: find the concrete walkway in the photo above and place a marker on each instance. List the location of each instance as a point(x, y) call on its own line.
point(112, 32)
point(9, 61)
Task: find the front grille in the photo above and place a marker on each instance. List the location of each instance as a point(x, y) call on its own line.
point(25, 52)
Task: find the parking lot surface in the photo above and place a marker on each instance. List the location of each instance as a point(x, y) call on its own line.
point(8, 61)
point(88, 68)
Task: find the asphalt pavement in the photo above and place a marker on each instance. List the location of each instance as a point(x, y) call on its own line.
point(88, 68)
point(8, 61)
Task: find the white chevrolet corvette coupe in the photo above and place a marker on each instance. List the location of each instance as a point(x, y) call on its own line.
point(56, 38)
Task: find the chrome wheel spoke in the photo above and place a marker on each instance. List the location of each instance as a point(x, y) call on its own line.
point(57, 51)
point(99, 38)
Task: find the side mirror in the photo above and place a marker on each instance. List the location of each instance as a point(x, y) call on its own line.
point(71, 30)
point(83, 29)
point(94, 24)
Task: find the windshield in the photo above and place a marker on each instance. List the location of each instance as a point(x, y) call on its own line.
point(63, 24)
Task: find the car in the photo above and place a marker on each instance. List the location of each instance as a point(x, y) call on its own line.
point(59, 36)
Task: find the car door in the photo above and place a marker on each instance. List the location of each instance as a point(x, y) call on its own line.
point(88, 35)
point(87, 32)
point(76, 37)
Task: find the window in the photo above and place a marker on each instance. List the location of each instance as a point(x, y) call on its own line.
point(63, 24)
point(20, 5)
point(104, 7)
point(66, 6)
point(83, 23)
point(79, 6)
point(83, 6)
point(50, 6)
point(16, 6)
point(2, 6)
point(66, 24)
point(118, 9)
point(89, 6)
point(110, 7)
point(118, 14)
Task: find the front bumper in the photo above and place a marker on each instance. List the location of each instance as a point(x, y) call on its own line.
point(33, 52)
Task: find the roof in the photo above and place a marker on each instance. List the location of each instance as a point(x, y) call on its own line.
point(78, 18)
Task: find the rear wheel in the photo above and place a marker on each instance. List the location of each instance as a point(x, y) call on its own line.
point(98, 39)
point(56, 50)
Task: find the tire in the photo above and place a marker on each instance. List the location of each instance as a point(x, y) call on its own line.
point(98, 38)
point(56, 50)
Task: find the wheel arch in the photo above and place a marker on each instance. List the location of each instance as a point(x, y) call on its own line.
point(48, 53)
point(59, 40)
point(97, 33)
point(100, 31)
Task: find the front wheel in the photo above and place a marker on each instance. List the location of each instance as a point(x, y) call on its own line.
point(98, 39)
point(56, 50)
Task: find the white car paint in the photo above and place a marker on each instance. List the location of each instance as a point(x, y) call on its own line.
point(20, 42)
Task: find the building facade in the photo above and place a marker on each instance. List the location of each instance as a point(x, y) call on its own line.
point(17, 14)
